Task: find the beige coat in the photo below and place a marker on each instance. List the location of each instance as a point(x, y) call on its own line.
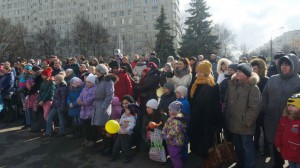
point(242, 104)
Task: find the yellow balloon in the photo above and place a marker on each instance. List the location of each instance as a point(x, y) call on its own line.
point(112, 126)
point(159, 92)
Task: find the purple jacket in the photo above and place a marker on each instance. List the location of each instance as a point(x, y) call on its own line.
point(116, 109)
point(87, 96)
point(60, 96)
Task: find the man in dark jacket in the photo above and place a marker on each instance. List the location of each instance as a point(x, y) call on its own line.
point(167, 98)
point(153, 58)
point(57, 68)
point(273, 68)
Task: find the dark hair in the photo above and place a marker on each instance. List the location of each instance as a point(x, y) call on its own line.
point(156, 116)
point(128, 98)
point(284, 60)
point(185, 61)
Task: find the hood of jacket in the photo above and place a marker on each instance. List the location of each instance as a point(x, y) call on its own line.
point(226, 61)
point(294, 61)
point(262, 67)
point(116, 101)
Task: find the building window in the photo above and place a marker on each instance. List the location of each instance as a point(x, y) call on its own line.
point(122, 21)
point(130, 21)
point(154, 8)
point(129, 11)
point(113, 14)
point(121, 13)
point(103, 6)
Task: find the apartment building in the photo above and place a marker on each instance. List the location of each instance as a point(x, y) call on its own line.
point(130, 23)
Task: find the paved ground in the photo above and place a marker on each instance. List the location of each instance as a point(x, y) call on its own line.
point(24, 149)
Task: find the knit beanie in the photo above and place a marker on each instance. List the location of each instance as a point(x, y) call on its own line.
point(245, 68)
point(75, 81)
point(36, 68)
point(152, 104)
point(175, 106)
point(169, 86)
point(114, 64)
point(28, 67)
point(294, 100)
point(204, 67)
point(278, 55)
point(233, 66)
point(47, 72)
point(152, 65)
point(182, 90)
point(91, 78)
point(102, 69)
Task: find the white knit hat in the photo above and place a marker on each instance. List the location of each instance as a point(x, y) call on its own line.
point(182, 90)
point(91, 78)
point(152, 104)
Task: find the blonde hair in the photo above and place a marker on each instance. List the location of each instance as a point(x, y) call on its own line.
point(60, 77)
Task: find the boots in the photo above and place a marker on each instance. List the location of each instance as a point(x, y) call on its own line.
point(109, 147)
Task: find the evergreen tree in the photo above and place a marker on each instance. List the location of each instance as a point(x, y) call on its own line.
point(198, 38)
point(164, 45)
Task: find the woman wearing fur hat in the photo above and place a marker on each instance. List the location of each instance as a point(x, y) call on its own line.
point(104, 94)
point(205, 109)
point(222, 69)
point(260, 68)
point(275, 95)
point(242, 106)
point(182, 74)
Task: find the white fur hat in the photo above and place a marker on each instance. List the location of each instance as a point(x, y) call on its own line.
point(182, 90)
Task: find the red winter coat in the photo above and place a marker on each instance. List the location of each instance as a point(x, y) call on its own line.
point(123, 85)
point(288, 139)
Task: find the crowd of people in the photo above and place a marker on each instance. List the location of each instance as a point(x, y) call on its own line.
point(200, 98)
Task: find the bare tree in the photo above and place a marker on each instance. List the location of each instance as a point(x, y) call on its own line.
point(6, 37)
point(149, 43)
point(226, 39)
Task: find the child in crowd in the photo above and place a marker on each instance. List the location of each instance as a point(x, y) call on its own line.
point(181, 95)
point(153, 115)
point(173, 132)
point(86, 100)
point(92, 70)
point(59, 106)
point(124, 137)
point(116, 109)
point(287, 139)
point(74, 108)
point(30, 104)
point(46, 91)
point(167, 98)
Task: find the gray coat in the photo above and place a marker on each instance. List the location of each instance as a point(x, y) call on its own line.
point(104, 94)
point(276, 93)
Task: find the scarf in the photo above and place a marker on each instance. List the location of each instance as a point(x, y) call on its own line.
point(183, 72)
point(202, 80)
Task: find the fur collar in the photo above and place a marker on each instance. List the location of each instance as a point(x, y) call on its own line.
point(253, 80)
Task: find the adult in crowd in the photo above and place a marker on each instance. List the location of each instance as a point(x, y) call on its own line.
point(148, 85)
point(193, 64)
point(242, 105)
point(125, 63)
point(273, 69)
point(200, 58)
point(7, 89)
point(153, 58)
point(94, 61)
point(222, 67)
point(167, 72)
point(260, 68)
point(83, 72)
point(123, 86)
point(205, 110)
point(75, 66)
point(57, 68)
point(104, 94)
point(69, 75)
point(214, 62)
point(182, 74)
point(275, 95)
point(139, 67)
point(13, 70)
point(136, 59)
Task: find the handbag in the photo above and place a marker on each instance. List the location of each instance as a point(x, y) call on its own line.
point(220, 155)
point(157, 150)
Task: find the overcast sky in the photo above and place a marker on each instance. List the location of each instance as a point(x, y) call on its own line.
point(253, 21)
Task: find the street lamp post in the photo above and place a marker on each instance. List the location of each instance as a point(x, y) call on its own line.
point(271, 49)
